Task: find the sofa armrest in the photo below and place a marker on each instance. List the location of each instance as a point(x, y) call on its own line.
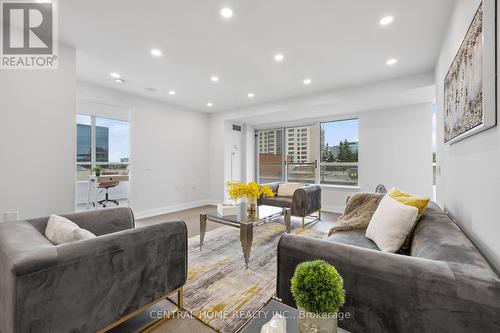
point(103, 278)
point(388, 292)
point(306, 200)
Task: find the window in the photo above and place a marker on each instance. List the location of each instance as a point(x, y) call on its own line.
point(339, 152)
point(270, 157)
point(300, 156)
point(83, 147)
point(103, 142)
point(321, 153)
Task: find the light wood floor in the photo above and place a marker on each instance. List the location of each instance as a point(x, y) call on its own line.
point(192, 219)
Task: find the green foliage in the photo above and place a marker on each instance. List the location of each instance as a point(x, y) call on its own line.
point(317, 287)
point(345, 152)
point(326, 154)
point(97, 169)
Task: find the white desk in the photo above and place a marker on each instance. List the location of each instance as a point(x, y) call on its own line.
point(94, 181)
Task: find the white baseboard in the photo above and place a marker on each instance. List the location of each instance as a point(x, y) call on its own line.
point(170, 209)
point(176, 208)
point(333, 209)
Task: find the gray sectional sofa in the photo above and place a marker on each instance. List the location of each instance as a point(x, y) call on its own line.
point(443, 285)
point(304, 202)
point(87, 285)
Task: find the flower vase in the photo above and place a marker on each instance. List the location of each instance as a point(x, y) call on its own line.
point(251, 208)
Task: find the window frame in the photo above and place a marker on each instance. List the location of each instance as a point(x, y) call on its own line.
point(316, 155)
point(93, 145)
point(321, 162)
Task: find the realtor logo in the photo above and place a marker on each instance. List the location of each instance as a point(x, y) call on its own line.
point(29, 35)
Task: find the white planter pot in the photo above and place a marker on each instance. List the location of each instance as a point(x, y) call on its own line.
point(316, 323)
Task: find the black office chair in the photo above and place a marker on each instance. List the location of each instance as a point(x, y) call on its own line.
point(106, 186)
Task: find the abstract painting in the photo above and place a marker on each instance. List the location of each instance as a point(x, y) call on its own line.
point(465, 110)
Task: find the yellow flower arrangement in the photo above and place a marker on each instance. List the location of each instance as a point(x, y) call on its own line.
point(251, 190)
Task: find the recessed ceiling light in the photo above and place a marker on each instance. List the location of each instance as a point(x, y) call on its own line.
point(210, 104)
point(279, 57)
point(119, 80)
point(386, 20)
point(250, 95)
point(171, 92)
point(214, 79)
point(114, 75)
point(156, 53)
point(226, 12)
point(391, 61)
point(307, 81)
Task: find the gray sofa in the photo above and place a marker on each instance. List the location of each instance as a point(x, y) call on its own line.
point(443, 285)
point(87, 285)
point(304, 202)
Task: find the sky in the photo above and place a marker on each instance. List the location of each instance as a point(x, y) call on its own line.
point(337, 131)
point(118, 136)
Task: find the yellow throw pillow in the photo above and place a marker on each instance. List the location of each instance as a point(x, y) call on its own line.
point(409, 200)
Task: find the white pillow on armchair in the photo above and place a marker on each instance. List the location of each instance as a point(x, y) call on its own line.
point(60, 230)
point(287, 190)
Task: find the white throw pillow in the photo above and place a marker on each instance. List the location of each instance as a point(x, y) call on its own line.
point(287, 190)
point(391, 223)
point(60, 230)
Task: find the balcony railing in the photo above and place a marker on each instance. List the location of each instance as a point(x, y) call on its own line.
point(339, 173)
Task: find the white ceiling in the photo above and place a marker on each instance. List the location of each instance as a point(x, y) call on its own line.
point(336, 43)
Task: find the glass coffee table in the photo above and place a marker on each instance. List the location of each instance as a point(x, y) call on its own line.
point(265, 314)
point(246, 225)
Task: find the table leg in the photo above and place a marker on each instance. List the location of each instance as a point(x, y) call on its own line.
point(288, 220)
point(246, 238)
point(203, 228)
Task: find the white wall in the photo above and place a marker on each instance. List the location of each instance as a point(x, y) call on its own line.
point(169, 152)
point(469, 184)
point(37, 139)
point(392, 115)
point(395, 149)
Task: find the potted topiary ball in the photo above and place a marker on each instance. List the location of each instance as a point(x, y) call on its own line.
point(318, 291)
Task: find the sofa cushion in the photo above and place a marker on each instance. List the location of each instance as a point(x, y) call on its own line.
point(355, 238)
point(391, 223)
point(60, 230)
point(277, 201)
point(405, 198)
point(288, 189)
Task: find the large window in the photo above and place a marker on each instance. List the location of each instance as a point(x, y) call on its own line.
point(325, 153)
point(103, 142)
point(270, 155)
point(301, 148)
point(339, 152)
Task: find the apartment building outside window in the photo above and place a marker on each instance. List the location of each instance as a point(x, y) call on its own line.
point(322, 153)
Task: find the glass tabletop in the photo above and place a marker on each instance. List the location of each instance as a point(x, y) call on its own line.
point(272, 308)
point(263, 213)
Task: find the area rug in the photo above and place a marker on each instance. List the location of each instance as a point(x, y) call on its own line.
point(220, 291)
